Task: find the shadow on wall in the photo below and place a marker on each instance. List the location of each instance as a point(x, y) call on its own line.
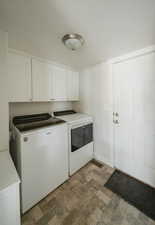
point(36, 107)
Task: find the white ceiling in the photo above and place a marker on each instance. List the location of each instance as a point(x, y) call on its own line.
point(110, 27)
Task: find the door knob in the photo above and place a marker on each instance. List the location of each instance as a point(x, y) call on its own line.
point(115, 121)
point(115, 114)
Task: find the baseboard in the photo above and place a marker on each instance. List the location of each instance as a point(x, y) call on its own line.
point(103, 160)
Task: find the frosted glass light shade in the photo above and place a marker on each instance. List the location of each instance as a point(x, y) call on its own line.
point(73, 41)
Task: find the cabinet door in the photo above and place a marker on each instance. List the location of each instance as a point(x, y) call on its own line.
point(59, 84)
point(41, 83)
point(73, 86)
point(19, 77)
point(10, 205)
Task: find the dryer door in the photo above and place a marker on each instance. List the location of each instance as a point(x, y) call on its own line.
point(77, 138)
point(81, 136)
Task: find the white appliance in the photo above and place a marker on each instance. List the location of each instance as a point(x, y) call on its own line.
point(41, 144)
point(80, 135)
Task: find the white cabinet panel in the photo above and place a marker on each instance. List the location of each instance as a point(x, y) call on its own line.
point(4, 118)
point(10, 206)
point(32, 79)
point(9, 191)
point(41, 83)
point(73, 85)
point(59, 84)
point(19, 77)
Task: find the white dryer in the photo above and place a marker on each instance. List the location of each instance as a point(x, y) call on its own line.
point(80, 135)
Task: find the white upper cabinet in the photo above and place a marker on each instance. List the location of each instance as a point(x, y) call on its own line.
point(65, 84)
point(33, 79)
point(72, 86)
point(19, 77)
point(59, 84)
point(41, 80)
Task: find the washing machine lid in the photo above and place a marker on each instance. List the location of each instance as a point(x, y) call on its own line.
point(35, 121)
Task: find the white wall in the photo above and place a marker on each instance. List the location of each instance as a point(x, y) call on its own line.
point(37, 107)
point(4, 115)
point(96, 100)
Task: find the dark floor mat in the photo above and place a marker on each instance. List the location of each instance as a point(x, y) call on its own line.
point(134, 192)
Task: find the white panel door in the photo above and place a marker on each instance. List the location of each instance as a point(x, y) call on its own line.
point(44, 159)
point(41, 80)
point(72, 85)
point(19, 77)
point(59, 84)
point(123, 121)
point(135, 102)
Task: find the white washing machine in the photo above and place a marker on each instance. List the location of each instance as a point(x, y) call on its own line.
point(80, 136)
point(41, 153)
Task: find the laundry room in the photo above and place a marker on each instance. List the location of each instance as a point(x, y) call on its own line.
point(77, 105)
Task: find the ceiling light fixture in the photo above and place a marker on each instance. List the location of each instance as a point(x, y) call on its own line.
point(73, 41)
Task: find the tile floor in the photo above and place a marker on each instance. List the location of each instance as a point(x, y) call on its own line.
point(83, 200)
